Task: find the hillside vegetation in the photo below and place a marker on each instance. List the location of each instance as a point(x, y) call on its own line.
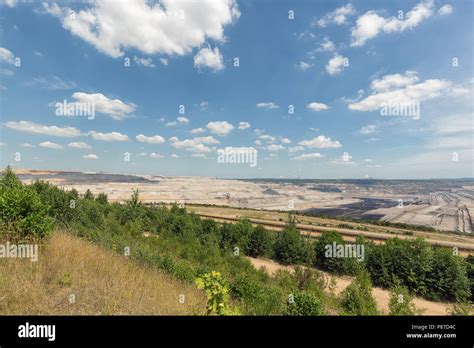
point(202, 252)
point(73, 276)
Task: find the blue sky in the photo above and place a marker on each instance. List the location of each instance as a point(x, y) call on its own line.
point(335, 62)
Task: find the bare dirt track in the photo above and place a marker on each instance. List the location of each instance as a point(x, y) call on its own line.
point(381, 296)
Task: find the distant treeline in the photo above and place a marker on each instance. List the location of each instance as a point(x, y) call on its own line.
point(189, 247)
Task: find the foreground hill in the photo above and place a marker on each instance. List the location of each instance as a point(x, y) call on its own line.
point(103, 283)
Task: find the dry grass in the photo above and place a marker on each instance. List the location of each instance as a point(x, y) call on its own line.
point(103, 283)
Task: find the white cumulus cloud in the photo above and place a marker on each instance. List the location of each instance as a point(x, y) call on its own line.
point(51, 145)
point(370, 24)
point(209, 58)
point(155, 155)
point(7, 56)
point(34, 128)
point(91, 156)
point(155, 139)
point(244, 125)
point(146, 62)
point(314, 106)
point(410, 94)
point(335, 64)
point(79, 145)
point(307, 156)
point(338, 16)
point(198, 130)
point(445, 10)
point(166, 27)
point(220, 128)
point(112, 136)
point(389, 82)
point(267, 105)
point(320, 142)
point(114, 108)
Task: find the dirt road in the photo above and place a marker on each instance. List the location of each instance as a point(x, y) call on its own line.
point(381, 296)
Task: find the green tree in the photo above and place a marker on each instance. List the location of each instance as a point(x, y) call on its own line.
point(9, 179)
point(88, 195)
point(448, 276)
point(102, 198)
point(237, 235)
point(330, 262)
point(410, 261)
point(259, 242)
point(290, 247)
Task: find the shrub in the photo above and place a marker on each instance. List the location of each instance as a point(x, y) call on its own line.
point(410, 261)
point(217, 294)
point(88, 195)
point(23, 215)
point(258, 298)
point(61, 204)
point(259, 242)
point(331, 264)
point(357, 298)
point(102, 198)
point(305, 304)
point(400, 302)
point(238, 235)
point(461, 309)
point(448, 276)
point(310, 280)
point(470, 274)
point(290, 247)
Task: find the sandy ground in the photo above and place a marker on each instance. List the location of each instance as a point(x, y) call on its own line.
point(381, 296)
point(448, 211)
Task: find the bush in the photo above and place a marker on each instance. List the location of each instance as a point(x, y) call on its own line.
point(237, 235)
point(61, 204)
point(448, 276)
point(259, 242)
point(217, 294)
point(470, 274)
point(461, 309)
point(258, 298)
point(410, 261)
point(310, 280)
point(429, 271)
point(290, 247)
point(304, 303)
point(332, 264)
point(357, 298)
point(23, 215)
point(400, 302)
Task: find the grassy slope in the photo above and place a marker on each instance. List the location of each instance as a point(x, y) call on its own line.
point(102, 282)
